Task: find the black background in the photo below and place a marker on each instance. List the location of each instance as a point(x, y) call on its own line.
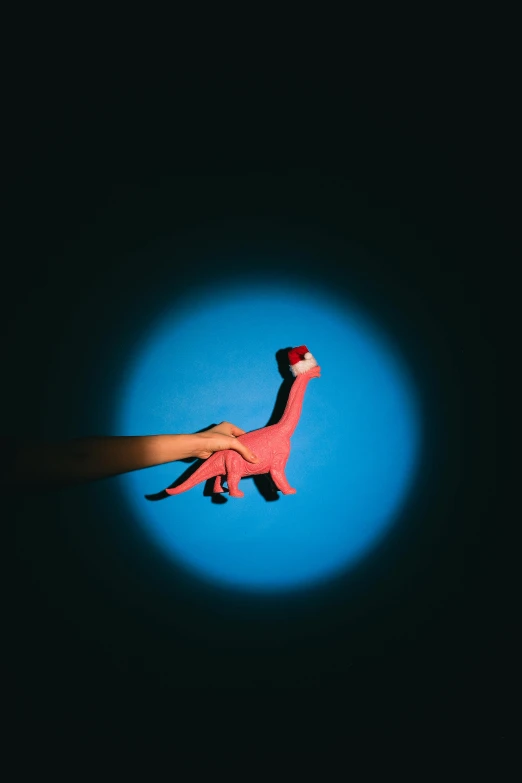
point(409, 164)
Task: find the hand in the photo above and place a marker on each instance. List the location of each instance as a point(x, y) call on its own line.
point(222, 436)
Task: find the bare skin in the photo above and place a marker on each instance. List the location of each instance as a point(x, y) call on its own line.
point(62, 463)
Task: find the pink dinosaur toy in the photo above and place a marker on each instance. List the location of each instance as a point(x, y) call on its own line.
point(270, 444)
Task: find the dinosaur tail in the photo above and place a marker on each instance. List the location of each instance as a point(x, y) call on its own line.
point(213, 466)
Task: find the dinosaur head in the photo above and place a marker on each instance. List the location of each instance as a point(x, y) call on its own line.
point(302, 362)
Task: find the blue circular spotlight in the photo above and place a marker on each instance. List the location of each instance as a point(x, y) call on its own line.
point(353, 454)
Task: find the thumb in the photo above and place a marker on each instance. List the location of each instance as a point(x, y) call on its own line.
point(246, 453)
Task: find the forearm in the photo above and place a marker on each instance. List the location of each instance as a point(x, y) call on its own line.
point(86, 459)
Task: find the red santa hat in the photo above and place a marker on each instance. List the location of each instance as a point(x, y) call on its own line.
point(301, 360)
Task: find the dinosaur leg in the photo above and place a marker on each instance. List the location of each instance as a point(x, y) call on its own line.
point(217, 485)
point(280, 480)
point(234, 464)
point(233, 488)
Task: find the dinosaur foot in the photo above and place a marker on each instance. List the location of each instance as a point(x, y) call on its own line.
point(290, 491)
point(237, 494)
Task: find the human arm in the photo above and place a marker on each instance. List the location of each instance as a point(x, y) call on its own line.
point(86, 459)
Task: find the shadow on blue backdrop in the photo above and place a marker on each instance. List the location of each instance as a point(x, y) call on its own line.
point(354, 453)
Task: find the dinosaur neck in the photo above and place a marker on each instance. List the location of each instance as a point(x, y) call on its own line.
point(290, 417)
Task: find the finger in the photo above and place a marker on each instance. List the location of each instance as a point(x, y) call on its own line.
point(246, 453)
point(224, 428)
point(236, 431)
point(229, 429)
